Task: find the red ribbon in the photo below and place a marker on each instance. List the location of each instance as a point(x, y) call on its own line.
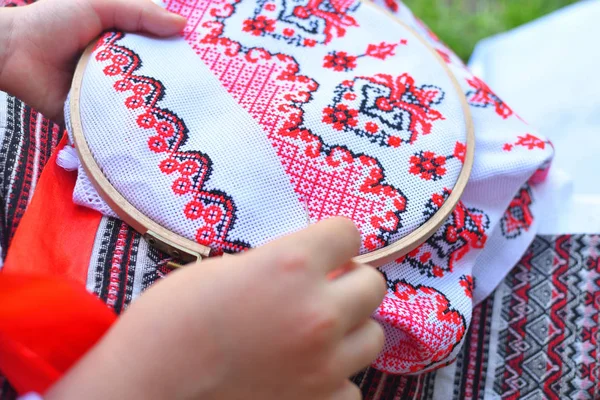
point(48, 321)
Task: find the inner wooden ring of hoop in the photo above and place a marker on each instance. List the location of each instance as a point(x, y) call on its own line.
point(143, 224)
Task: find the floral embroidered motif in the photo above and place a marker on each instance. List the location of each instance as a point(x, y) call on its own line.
point(259, 26)
point(428, 166)
point(341, 61)
point(340, 117)
point(432, 167)
point(382, 50)
point(483, 97)
point(529, 141)
point(390, 110)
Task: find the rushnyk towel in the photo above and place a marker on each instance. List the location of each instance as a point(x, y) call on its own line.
point(265, 111)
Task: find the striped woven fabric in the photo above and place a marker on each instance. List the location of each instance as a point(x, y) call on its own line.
point(536, 336)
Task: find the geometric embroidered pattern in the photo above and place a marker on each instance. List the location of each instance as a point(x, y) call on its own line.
point(463, 231)
point(537, 337)
point(427, 327)
point(213, 210)
point(306, 25)
point(518, 216)
point(550, 345)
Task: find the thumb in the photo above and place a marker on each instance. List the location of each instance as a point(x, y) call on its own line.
point(141, 16)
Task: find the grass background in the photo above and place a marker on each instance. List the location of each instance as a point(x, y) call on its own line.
point(462, 23)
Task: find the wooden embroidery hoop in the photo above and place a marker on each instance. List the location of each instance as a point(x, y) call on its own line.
point(186, 251)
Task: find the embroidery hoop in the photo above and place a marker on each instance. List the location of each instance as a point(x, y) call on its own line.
point(187, 251)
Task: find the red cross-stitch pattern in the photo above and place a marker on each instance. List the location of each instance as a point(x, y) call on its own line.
point(468, 283)
point(399, 113)
point(518, 216)
point(422, 326)
point(342, 61)
point(428, 165)
point(336, 21)
point(431, 166)
point(331, 180)
point(464, 230)
point(213, 211)
point(482, 96)
point(116, 266)
point(541, 174)
point(528, 141)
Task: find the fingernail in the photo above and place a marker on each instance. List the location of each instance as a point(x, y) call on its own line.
point(178, 18)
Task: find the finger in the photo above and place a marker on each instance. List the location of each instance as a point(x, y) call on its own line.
point(137, 16)
point(357, 294)
point(347, 392)
point(360, 348)
point(323, 247)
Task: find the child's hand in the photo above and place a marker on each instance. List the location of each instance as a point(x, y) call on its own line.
point(268, 324)
point(40, 43)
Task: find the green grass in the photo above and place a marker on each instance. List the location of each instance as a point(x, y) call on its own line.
point(462, 23)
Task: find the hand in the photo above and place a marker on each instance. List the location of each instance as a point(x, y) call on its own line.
point(40, 43)
point(273, 323)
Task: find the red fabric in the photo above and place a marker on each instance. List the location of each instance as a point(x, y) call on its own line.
point(47, 325)
point(55, 236)
point(47, 318)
